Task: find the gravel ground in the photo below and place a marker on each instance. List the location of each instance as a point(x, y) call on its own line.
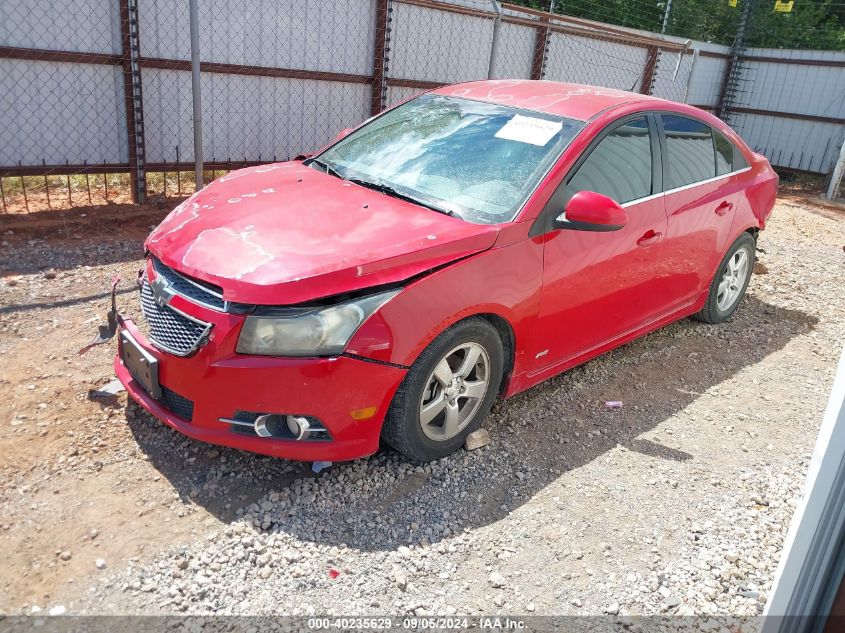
point(677, 503)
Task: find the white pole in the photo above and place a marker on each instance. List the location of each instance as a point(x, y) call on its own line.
point(666, 16)
point(195, 91)
point(838, 172)
point(494, 45)
point(689, 76)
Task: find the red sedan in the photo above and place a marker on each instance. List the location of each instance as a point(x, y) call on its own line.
point(465, 245)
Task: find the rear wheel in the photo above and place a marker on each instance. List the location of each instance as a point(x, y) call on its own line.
point(730, 282)
point(447, 393)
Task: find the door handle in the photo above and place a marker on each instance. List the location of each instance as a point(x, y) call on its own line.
point(649, 237)
point(723, 208)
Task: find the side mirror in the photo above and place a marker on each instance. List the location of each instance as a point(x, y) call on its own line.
point(342, 133)
point(591, 211)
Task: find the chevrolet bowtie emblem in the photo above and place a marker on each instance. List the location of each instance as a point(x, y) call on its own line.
point(162, 291)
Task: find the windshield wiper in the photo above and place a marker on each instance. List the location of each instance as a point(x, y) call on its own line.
point(329, 169)
point(390, 191)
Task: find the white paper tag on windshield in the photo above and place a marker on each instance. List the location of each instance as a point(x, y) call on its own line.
point(526, 129)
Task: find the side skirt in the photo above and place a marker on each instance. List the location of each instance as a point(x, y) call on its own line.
point(527, 380)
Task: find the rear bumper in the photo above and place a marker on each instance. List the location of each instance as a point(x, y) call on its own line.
point(329, 389)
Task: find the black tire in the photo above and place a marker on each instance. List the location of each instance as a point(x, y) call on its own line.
point(403, 427)
point(711, 312)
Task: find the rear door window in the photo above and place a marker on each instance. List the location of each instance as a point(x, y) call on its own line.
point(690, 152)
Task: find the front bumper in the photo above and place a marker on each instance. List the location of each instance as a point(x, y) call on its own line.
point(329, 389)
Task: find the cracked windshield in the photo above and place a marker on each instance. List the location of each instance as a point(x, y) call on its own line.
point(478, 161)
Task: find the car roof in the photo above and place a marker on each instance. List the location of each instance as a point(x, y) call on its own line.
point(575, 101)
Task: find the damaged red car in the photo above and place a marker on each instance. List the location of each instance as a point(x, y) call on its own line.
point(460, 247)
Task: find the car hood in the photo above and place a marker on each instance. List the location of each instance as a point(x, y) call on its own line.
point(286, 233)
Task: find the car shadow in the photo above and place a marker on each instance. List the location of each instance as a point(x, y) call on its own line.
point(382, 502)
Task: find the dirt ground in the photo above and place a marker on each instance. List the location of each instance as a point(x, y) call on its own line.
point(92, 490)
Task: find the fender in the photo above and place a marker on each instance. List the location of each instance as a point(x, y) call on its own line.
point(756, 200)
point(504, 281)
point(752, 228)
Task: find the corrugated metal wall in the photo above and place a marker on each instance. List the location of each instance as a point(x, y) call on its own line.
point(438, 46)
point(708, 74)
point(803, 88)
point(798, 89)
point(672, 75)
point(57, 112)
point(91, 26)
point(40, 118)
point(574, 59)
point(515, 52)
point(773, 98)
point(255, 118)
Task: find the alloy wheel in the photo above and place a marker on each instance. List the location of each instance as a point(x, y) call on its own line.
point(733, 280)
point(454, 391)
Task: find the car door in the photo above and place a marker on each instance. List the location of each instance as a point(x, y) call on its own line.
point(598, 286)
point(700, 201)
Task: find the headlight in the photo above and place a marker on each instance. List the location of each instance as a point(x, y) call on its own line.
point(316, 332)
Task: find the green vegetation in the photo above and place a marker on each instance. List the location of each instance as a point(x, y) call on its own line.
point(814, 24)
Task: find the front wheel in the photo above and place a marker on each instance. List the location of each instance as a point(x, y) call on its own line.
point(730, 282)
point(447, 393)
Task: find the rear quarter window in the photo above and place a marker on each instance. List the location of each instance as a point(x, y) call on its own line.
point(724, 155)
point(728, 156)
point(739, 159)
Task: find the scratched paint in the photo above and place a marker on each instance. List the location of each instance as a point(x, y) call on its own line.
point(178, 219)
point(519, 93)
point(243, 255)
point(307, 231)
point(248, 171)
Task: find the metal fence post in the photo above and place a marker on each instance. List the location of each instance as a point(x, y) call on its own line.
point(730, 82)
point(378, 96)
point(494, 44)
point(133, 98)
point(838, 173)
point(541, 44)
point(195, 92)
point(649, 69)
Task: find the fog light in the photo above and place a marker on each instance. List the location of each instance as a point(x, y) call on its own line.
point(269, 425)
point(298, 426)
point(280, 426)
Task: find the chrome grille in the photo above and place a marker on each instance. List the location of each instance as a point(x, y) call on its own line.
point(170, 329)
point(195, 290)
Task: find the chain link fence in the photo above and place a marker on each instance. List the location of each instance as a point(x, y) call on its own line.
point(62, 103)
point(96, 102)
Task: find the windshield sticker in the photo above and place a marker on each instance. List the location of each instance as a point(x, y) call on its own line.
point(526, 129)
